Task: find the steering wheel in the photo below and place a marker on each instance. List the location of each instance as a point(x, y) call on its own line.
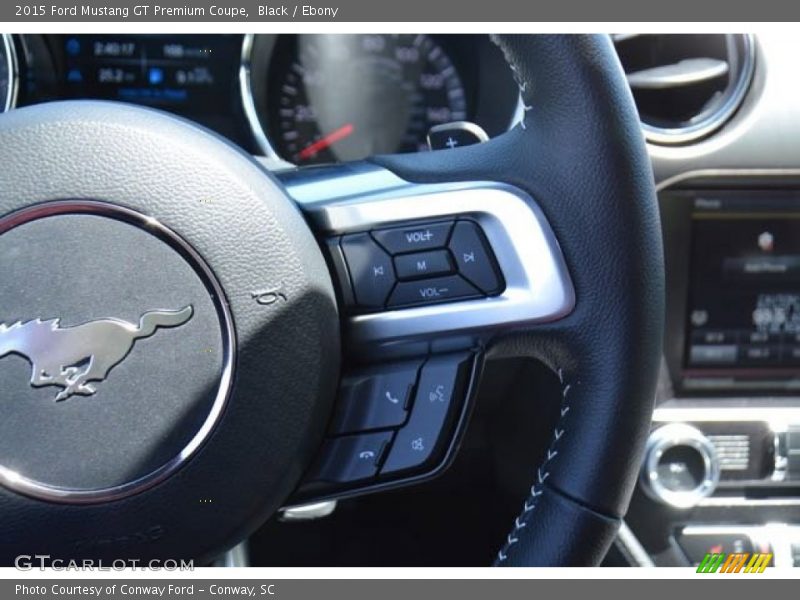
point(188, 342)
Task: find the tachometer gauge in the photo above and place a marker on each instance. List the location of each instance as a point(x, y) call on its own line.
point(8, 73)
point(346, 97)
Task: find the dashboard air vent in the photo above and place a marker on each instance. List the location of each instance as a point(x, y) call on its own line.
point(686, 86)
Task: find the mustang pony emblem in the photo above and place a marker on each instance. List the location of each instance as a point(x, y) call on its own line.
point(71, 357)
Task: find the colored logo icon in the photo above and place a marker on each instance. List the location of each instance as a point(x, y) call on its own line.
point(738, 562)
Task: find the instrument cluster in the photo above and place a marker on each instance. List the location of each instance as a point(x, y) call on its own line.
point(304, 99)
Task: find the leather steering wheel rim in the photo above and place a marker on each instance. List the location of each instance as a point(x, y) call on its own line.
point(580, 152)
point(112, 172)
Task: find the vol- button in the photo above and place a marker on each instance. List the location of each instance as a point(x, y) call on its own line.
point(370, 270)
point(425, 291)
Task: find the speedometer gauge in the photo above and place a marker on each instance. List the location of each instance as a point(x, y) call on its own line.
point(8, 73)
point(346, 97)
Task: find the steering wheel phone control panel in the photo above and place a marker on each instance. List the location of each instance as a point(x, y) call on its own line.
point(416, 264)
point(392, 422)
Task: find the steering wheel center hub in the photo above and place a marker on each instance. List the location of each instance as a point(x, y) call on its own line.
point(169, 337)
point(118, 346)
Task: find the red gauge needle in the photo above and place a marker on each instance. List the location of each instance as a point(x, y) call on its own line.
point(325, 142)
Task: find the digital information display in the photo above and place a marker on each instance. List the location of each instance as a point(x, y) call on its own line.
point(164, 71)
point(743, 309)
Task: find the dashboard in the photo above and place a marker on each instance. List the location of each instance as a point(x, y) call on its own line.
point(303, 99)
point(723, 461)
point(721, 468)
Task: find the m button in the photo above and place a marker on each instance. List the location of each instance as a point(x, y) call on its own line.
point(423, 264)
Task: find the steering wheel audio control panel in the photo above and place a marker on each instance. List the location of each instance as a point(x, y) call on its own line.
point(418, 264)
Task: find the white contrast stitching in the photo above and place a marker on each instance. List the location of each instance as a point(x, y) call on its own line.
point(521, 84)
point(542, 473)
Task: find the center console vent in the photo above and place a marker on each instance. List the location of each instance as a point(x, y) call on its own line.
point(686, 86)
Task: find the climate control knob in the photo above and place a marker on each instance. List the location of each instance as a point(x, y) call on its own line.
point(680, 466)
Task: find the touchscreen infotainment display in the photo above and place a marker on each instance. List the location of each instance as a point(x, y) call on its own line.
point(743, 306)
